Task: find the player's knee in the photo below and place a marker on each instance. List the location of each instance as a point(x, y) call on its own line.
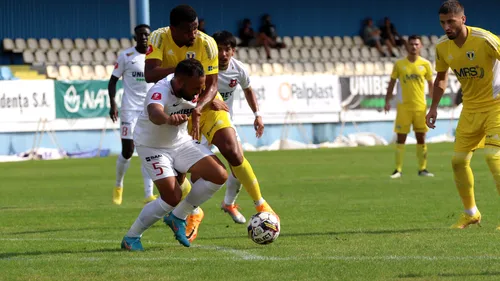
point(218, 175)
point(460, 160)
point(172, 199)
point(127, 154)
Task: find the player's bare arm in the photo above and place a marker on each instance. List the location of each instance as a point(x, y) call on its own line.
point(113, 111)
point(204, 99)
point(388, 95)
point(437, 93)
point(430, 85)
point(153, 72)
point(158, 116)
point(252, 102)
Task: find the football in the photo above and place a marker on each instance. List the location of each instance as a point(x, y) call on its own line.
point(263, 228)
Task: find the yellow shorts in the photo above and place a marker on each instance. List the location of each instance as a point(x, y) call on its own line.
point(212, 120)
point(477, 129)
point(406, 118)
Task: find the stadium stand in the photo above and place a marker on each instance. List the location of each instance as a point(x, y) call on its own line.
point(64, 58)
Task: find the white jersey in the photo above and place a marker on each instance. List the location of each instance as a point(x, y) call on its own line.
point(130, 65)
point(163, 136)
point(229, 79)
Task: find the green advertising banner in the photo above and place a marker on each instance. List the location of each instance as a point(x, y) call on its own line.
point(84, 99)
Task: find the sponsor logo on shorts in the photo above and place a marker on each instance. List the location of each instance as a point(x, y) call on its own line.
point(156, 96)
point(154, 157)
point(126, 123)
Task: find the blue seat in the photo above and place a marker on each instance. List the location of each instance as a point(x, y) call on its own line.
point(6, 73)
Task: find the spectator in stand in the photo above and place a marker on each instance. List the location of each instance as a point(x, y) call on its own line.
point(371, 37)
point(389, 33)
point(268, 29)
point(251, 39)
point(201, 26)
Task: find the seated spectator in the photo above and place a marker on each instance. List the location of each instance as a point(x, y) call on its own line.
point(371, 37)
point(268, 29)
point(251, 39)
point(389, 32)
point(201, 26)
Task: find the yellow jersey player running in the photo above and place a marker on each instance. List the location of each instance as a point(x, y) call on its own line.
point(167, 47)
point(411, 73)
point(472, 53)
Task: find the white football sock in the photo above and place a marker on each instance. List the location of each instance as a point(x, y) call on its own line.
point(233, 187)
point(472, 211)
point(201, 191)
point(148, 183)
point(259, 202)
point(121, 167)
point(196, 211)
point(151, 213)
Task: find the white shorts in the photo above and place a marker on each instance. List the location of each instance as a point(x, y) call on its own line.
point(128, 119)
point(166, 162)
point(204, 140)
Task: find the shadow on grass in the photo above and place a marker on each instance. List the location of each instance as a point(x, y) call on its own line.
point(6, 256)
point(471, 274)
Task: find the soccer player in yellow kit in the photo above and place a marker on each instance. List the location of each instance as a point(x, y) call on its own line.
point(472, 53)
point(412, 72)
point(167, 47)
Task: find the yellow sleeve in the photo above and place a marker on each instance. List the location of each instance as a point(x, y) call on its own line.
point(428, 71)
point(395, 73)
point(156, 44)
point(441, 65)
point(493, 45)
point(210, 61)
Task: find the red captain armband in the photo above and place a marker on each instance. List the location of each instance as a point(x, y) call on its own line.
point(150, 50)
point(156, 96)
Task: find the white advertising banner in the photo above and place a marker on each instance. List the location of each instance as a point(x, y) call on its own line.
point(304, 99)
point(26, 101)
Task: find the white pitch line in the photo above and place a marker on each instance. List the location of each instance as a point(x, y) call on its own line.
point(236, 255)
point(239, 254)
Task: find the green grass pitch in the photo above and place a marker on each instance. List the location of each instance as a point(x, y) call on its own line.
point(342, 218)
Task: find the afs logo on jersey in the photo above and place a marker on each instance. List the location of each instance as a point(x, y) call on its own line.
point(469, 72)
point(233, 83)
point(470, 55)
point(190, 55)
point(150, 50)
point(156, 96)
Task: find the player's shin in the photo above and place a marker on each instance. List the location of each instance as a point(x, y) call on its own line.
point(492, 154)
point(122, 165)
point(233, 187)
point(245, 174)
point(422, 156)
point(201, 191)
point(464, 179)
point(150, 214)
point(148, 183)
point(400, 154)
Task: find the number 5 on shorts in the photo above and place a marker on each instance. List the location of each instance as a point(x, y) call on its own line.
point(158, 169)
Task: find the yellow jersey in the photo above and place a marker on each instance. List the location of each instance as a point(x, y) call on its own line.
point(476, 66)
point(161, 46)
point(411, 87)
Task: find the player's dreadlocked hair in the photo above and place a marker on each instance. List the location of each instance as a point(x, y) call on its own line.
point(182, 13)
point(451, 7)
point(224, 38)
point(190, 68)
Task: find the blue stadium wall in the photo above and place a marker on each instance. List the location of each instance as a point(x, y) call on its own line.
point(110, 18)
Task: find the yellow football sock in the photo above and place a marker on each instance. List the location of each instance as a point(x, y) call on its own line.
point(186, 188)
point(464, 179)
point(422, 156)
point(400, 153)
point(493, 160)
point(244, 173)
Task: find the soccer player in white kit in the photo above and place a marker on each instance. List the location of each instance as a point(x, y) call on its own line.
point(130, 66)
point(166, 149)
point(231, 74)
